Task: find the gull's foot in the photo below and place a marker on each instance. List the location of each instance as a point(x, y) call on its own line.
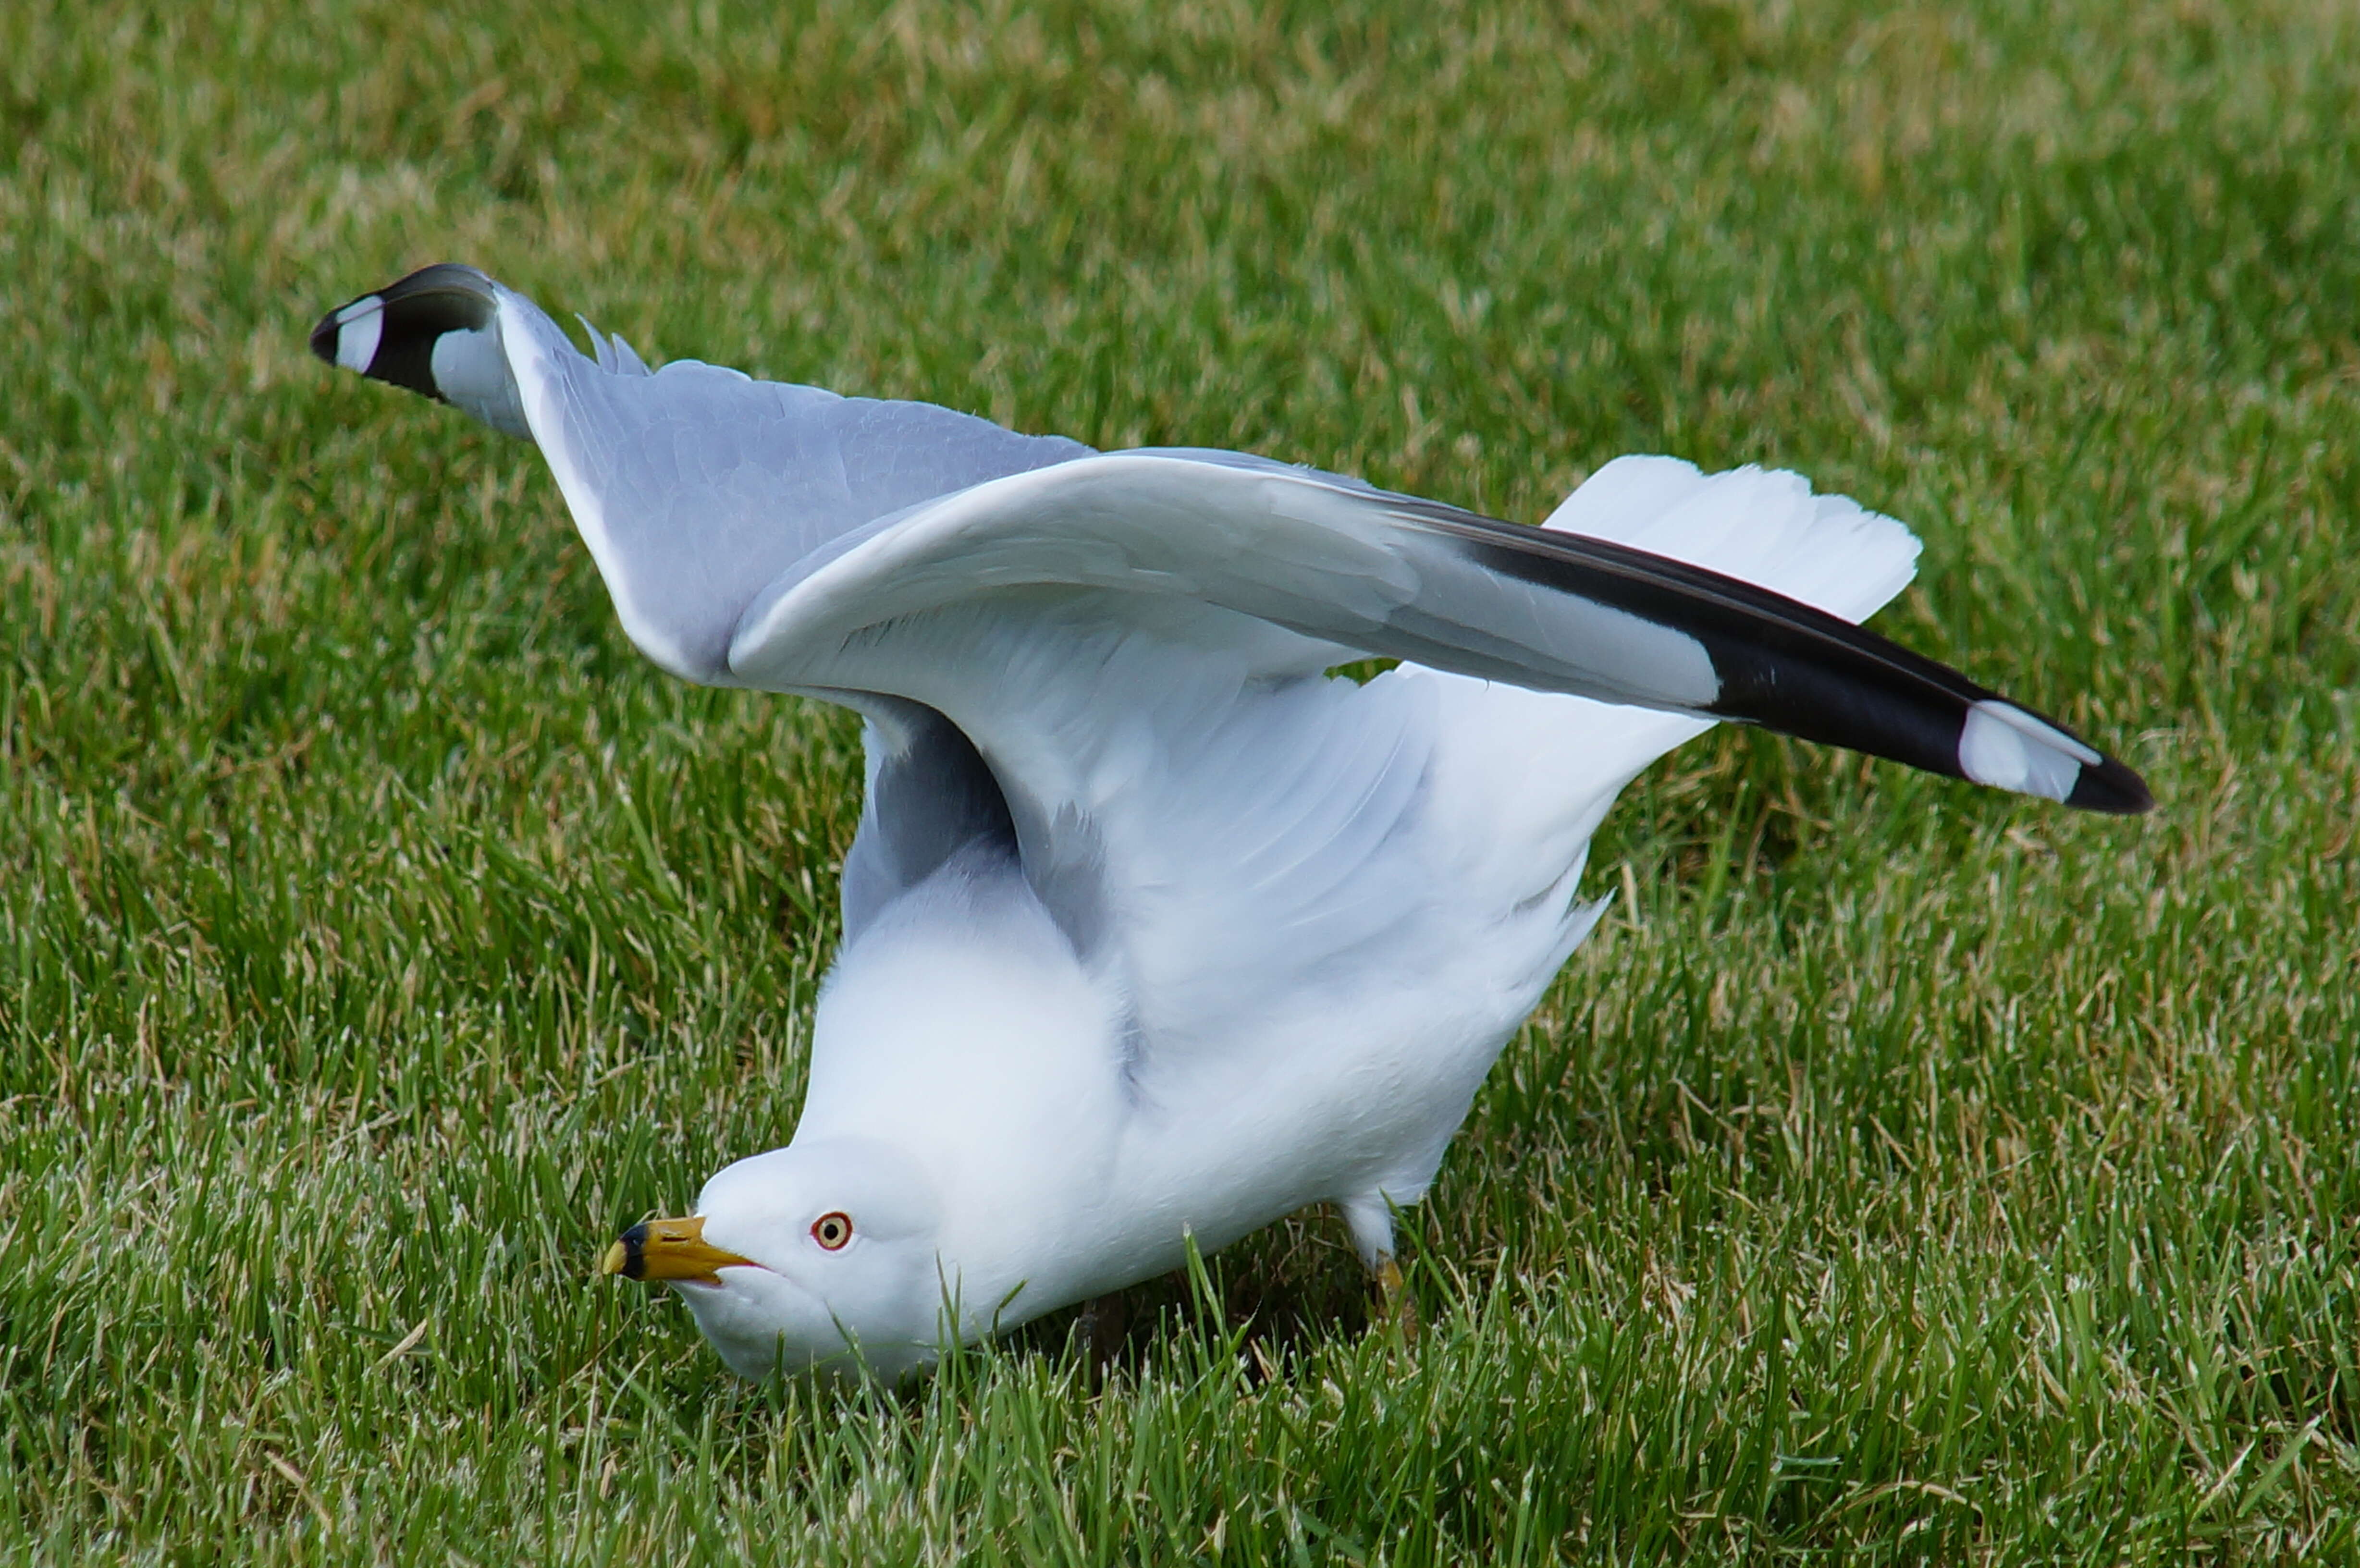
point(1396, 1307)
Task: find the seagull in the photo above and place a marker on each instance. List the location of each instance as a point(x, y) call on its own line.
point(1158, 928)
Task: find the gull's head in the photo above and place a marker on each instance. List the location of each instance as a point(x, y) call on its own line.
point(816, 1257)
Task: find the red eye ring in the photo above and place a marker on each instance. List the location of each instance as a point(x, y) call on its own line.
point(832, 1230)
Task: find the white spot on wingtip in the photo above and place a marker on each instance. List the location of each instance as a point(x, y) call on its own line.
point(359, 325)
point(2005, 748)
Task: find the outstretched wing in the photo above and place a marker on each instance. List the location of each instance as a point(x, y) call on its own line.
point(693, 486)
point(1339, 564)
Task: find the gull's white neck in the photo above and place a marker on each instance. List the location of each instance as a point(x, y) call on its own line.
point(960, 1028)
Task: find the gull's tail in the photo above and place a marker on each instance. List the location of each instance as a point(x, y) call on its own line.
point(1765, 527)
point(1534, 772)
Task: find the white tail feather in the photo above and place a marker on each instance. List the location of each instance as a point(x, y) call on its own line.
point(1532, 774)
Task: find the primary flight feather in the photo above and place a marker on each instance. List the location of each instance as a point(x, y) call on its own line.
point(1154, 932)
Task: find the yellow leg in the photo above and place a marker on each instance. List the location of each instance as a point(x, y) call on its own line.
point(1396, 1307)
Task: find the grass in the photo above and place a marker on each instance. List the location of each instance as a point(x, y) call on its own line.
point(1905, 1173)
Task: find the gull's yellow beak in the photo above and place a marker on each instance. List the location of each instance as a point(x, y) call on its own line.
point(668, 1249)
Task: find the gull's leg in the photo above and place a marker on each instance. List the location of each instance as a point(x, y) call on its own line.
point(1371, 1218)
point(1102, 1322)
point(1396, 1307)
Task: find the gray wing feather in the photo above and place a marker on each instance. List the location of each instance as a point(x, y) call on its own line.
point(1337, 562)
point(930, 798)
point(695, 485)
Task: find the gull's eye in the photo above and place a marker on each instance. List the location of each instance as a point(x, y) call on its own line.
point(832, 1230)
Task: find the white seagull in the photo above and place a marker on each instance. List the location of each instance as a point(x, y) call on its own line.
point(1155, 932)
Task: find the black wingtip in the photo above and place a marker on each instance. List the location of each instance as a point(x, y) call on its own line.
point(323, 338)
point(389, 335)
point(2113, 788)
point(1801, 671)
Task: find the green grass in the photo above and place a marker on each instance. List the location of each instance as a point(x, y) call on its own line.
point(1906, 1173)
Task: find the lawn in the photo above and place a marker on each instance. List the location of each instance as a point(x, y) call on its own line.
point(1905, 1172)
